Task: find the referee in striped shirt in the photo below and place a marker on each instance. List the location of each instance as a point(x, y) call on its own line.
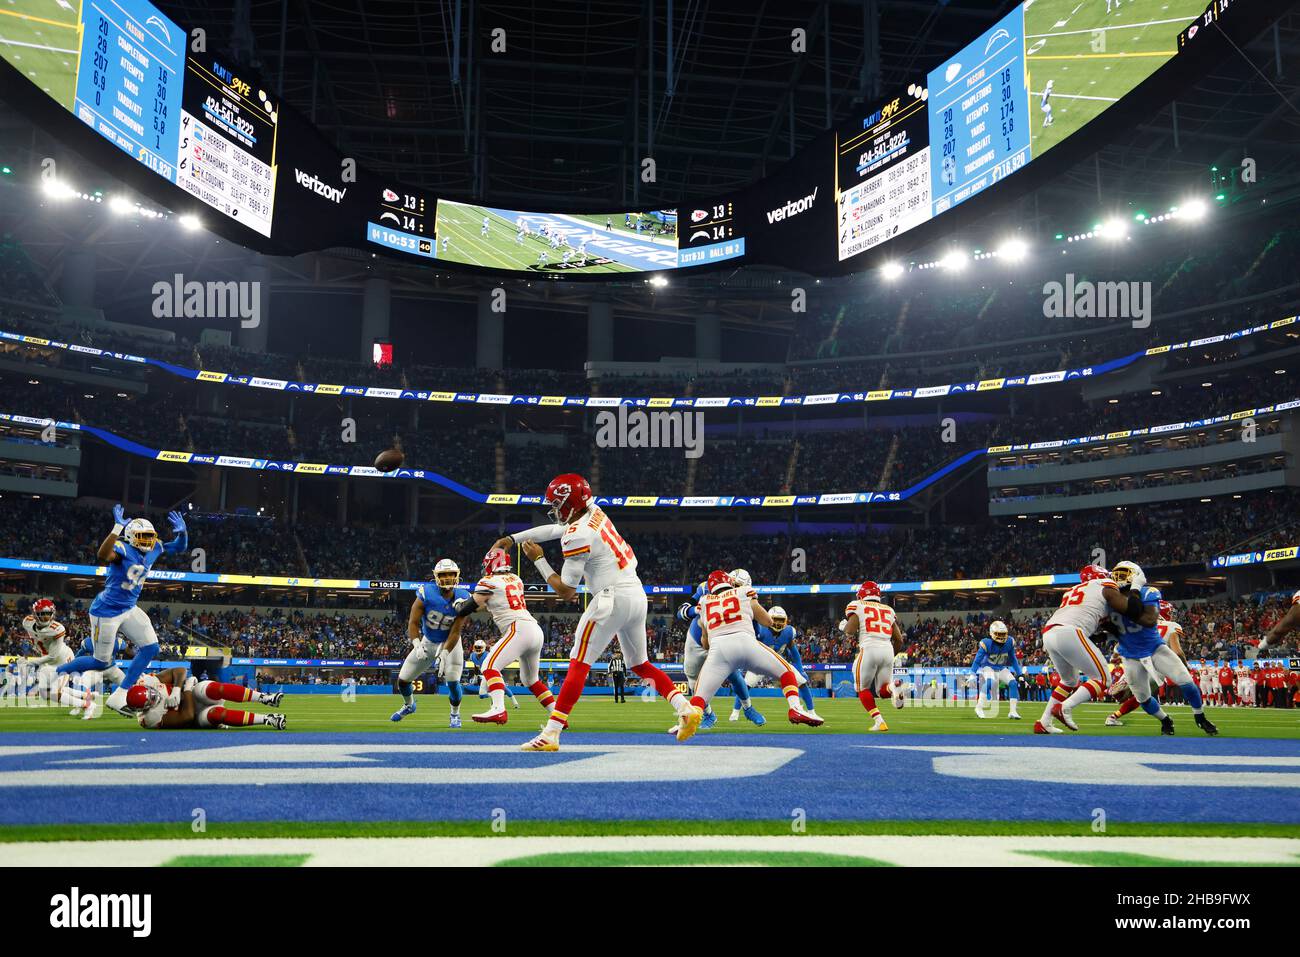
point(618, 674)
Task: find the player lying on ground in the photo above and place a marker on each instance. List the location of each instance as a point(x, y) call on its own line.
point(727, 615)
point(875, 625)
point(129, 551)
point(995, 664)
point(169, 699)
point(1147, 658)
point(501, 592)
point(595, 552)
point(434, 631)
point(693, 660)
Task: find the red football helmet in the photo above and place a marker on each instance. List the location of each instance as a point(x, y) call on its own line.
point(141, 697)
point(869, 591)
point(1092, 573)
point(720, 580)
point(43, 610)
point(568, 496)
point(1166, 610)
point(496, 560)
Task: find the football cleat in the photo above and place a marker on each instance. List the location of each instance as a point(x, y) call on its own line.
point(454, 722)
point(1205, 724)
point(897, 696)
point(710, 719)
point(979, 713)
point(879, 725)
point(813, 714)
point(689, 723)
point(734, 716)
point(403, 711)
point(514, 701)
point(1060, 714)
point(1167, 725)
point(543, 742)
point(1013, 716)
point(1040, 728)
point(1113, 722)
point(275, 700)
point(117, 701)
point(491, 716)
point(802, 717)
point(756, 716)
point(673, 730)
point(277, 721)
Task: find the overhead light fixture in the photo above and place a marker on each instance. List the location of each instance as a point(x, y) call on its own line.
point(892, 270)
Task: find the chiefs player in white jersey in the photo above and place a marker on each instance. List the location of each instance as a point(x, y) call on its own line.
point(48, 638)
point(170, 699)
point(1287, 623)
point(1067, 638)
point(727, 613)
point(875, 625)
point(501, 592)
point(593, 550)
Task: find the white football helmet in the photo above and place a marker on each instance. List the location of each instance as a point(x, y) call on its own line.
point(779, 617)
point(139, 533)
point(998, 630)
point(741, 577)
point(446, 573)
point(480, 645)
point(1129, 575)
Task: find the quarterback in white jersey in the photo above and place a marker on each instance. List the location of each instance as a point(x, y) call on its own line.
point(875, 625)
point(501, 593)
point(595, 552)
point(1067, 639)
point(727, 612)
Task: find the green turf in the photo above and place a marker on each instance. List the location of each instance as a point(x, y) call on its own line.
point(238, 860)
point(697, 858)
point(370, 713)
point(461, 225)
point(1094, 57)
point(1125, 859)
point(43, 41)
point(182, 830)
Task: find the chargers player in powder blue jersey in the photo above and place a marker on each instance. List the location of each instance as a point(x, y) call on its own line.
point(477, 656)
point(434, 631)
point(781, 638)
point(996, 662)
point(129, 551)
point(693, 660)
point(1147, 658)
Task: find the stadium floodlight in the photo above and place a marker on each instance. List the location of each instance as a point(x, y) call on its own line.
point(190, 221)
point(659, 281)
point(954, 261)
point(1193, 210)
point(1112, 229)
point(57, 189)
point(892, 270)
point(121, 206)
point(1013, 250)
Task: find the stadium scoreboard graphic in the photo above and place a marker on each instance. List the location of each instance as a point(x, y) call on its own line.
point(1043, 72)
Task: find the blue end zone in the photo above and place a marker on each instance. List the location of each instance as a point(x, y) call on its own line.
point(251, 776)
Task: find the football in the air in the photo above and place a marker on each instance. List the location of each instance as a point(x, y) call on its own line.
point(389, 459)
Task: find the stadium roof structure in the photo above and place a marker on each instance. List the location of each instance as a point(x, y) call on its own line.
point(710, 88)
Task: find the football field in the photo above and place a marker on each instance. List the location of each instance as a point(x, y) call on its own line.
point(942, 787)
point(1093, 57)
point(43, 40)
